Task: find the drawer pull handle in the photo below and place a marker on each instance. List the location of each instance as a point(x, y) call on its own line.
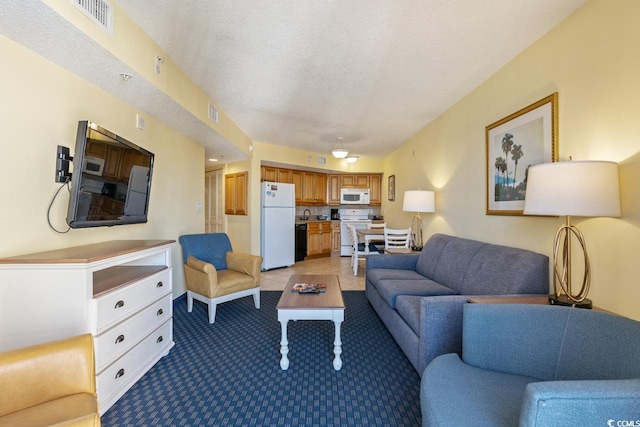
point(119, 304)
point(159, 285)
point(120, 373)
point(160, 312)
point(159, 339)
point(119, 339)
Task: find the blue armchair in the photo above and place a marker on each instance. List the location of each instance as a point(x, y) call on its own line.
point(536, 365)
point(215, 274)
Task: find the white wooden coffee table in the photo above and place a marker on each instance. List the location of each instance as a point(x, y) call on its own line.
point(328, 305)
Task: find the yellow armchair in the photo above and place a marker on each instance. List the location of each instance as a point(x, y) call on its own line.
point(50, 384)
point(215, 274)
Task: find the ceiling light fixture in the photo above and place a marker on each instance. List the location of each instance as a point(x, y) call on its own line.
point(340, 150)
point(124, 76)
point(351, 159)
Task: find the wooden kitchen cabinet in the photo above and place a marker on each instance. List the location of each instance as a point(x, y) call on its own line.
point(319, 238)
point(285, 175)
point(296, 180)
point(314, 188)
point(273, 174)
point(335, 237)
point(354, 181)
point(235, 193)
point(268, 173)
point(375, 192)
point(333, 188)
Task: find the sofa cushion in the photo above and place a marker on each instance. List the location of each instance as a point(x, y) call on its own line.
point(377, 274)
point(408, 306)
point(455, 394)
point(389, 289)
point(446, 260)
point(477, 268)
point(496, 270)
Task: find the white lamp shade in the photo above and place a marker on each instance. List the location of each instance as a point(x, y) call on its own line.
point(339, 153)
point(419, 201)
point(575, 188)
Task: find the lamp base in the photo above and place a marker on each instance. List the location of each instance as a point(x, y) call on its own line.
point(565, 301)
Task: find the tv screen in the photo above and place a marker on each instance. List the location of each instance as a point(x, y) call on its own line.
point(111, 179)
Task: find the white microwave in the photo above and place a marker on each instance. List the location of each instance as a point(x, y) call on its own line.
point(93, 165)
point(354, 196)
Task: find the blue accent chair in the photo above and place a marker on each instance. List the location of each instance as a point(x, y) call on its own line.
point(536, 365)
point(215, 274)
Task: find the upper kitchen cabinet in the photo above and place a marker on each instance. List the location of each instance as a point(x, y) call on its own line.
point(269, 174)
point(354, 181)
point(375, 194)
point(296, 180)
point(314, 188)
point(273, 174)
point(334, 190)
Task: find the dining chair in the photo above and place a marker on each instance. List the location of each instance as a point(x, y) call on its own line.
point(397, 238)
point(376, 225)
point(357, 250)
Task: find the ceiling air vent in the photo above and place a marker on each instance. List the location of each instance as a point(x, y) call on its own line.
point(99, 11)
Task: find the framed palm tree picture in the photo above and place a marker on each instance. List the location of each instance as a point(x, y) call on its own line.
point(522, 139)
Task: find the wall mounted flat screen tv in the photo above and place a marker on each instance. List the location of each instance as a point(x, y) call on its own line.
point(111, 179)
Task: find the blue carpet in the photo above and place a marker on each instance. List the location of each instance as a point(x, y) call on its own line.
point(228, 373)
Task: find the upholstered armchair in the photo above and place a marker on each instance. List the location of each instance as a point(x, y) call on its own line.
point(215, 274)
point(536, 365)
point(49, 384)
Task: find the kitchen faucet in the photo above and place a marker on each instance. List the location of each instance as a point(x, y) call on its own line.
point(304, 214)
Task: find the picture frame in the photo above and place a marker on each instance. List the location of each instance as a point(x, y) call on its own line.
point(392, 188)
point(522, 139)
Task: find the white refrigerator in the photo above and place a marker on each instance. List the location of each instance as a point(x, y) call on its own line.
point(136, 201)
point(277, 225)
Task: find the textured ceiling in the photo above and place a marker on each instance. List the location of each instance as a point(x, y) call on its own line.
point(302, 72)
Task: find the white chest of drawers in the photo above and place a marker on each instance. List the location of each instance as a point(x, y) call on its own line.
point(119, 291)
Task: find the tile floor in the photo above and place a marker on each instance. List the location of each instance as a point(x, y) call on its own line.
point(276, 279)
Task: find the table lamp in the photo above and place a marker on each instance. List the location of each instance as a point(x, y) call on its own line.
point(418, 201)
point(574, 188)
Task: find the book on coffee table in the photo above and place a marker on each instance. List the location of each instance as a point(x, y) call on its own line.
point(309, 288)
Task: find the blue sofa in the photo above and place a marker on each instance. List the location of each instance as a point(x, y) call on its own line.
point(536, 365)
point(419, 297)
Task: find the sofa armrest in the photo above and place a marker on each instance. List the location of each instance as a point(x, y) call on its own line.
point(602, 403)
point(396, 261)
point(45, 372)
point(245, 263)
point(440, 327)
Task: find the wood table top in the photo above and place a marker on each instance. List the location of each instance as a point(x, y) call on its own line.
point(87, 253)
point(331, 298)
point(370, 231)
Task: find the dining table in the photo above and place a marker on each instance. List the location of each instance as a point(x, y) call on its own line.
point(369, 235)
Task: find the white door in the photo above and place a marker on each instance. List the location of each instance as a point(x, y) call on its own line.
point(213, 182)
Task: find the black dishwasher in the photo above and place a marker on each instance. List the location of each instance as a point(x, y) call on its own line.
point(301, 242)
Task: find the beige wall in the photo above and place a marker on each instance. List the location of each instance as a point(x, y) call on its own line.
point(41, 106)
point(591, 60)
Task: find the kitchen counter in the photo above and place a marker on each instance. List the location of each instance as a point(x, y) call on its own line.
point(306, 221)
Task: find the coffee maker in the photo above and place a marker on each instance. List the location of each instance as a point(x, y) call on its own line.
point(335, 214)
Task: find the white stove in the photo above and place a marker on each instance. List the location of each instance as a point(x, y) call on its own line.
point(359, 218)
